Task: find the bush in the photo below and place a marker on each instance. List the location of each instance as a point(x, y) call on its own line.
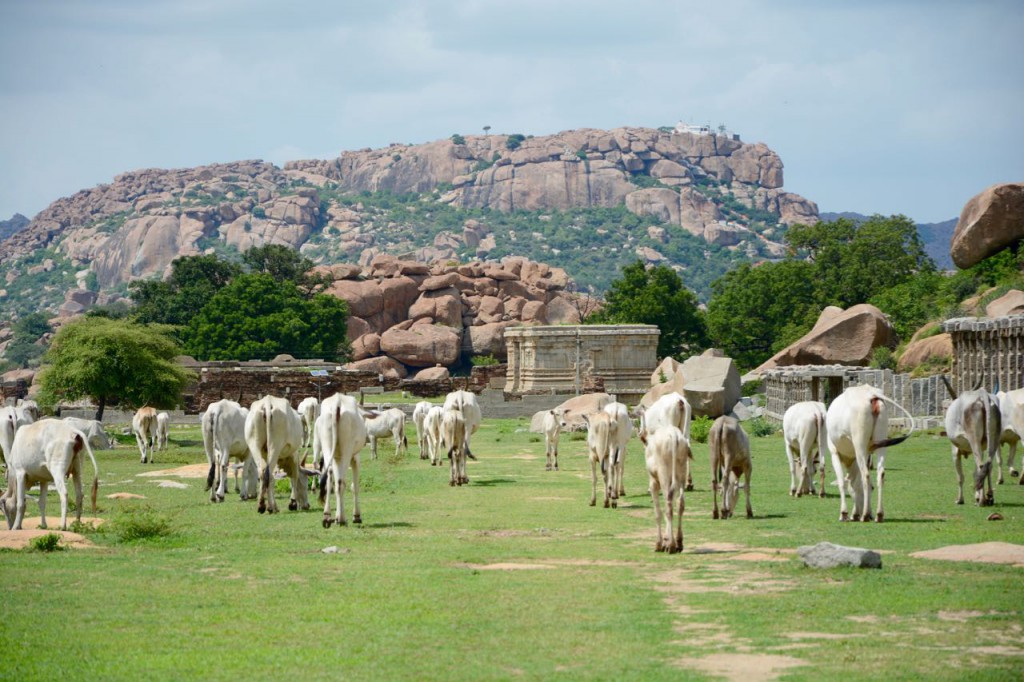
point(514, 141)
point(700, 427)
point(458, 139)
point(484, 361)
point(140, 523)
point(883, 358)
point(51, 542)
point(259, 212)
point(759, 427)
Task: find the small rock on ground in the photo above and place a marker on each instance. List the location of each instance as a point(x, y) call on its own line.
point(827, 555)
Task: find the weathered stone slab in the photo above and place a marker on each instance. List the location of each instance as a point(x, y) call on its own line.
point(827, 555)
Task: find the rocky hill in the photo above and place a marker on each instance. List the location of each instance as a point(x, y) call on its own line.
point(17, 223)
point(585, 200)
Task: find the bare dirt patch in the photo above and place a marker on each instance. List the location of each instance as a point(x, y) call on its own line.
point(821, 635)
point(505, 566)
point(170, 484)
point(743, 667)
point(125, 496)
point(32, 522)
point(187, 471)
point(962, 616)
point(20, 539)
point(983, 552)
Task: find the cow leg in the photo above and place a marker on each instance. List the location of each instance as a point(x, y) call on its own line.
point(340, 483)
point(1010, 457)
point(60, 485)
point(792, 470)
point(142, 447)
point(593, 481)
point(373, 447)
point(821, 493)
point(746, 478)
point(880, 482)
point(43, 485)
point(76, 481)
point(655, 489)
point(837, 466)
point(679, 515)
point(357, 516)
point(958, 465)
point(556, 456)
point(714, 494)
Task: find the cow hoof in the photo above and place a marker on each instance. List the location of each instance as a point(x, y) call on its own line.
point(689, 487)
point(357, 519)
point(615, 505)
point(714, 514)
point(792, 492)
point(262, 508)
point(881, 517)
point(843, 516)
point(750, 514)
point(606, 504)
point(292, 505)
point(451, 483)
point(593, 503)
point(822, 494)
point(327, 522)
point(547, 468)
point(556, 469)
point(1014, 473)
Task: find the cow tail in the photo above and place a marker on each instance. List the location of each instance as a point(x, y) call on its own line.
point(95, 476)
point(891, 441)
point(212, 454)
point(686, 420)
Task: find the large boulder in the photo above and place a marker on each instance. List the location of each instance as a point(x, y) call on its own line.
point(1010, 303)
point(382, 364)
point(712, 384)
point(573, 410)
point(846, 338)
point(990, 221)
point(664, 371)
point(422, 345)
point(930, 349)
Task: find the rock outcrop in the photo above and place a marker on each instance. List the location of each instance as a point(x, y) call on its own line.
point(938, 348)
point(990, 221)
point(710, 382)
point(1010, 303)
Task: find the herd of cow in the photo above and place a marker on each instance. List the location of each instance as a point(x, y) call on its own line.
point(271, 435)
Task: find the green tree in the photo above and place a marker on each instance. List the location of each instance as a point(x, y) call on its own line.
point(655, 296)
point(192, 283)
point(258, 317)
point(113, 362)
point(285, 265)
point(24, 346)
point(755, 311)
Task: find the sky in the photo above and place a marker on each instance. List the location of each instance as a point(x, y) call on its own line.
point(874, 106)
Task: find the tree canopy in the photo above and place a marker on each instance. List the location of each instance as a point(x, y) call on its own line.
point(113, 362)
point(655, 296)
point(258, 317)
point(193, 281)
point(23, 347)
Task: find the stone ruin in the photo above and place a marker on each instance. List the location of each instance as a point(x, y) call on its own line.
point(990, 350)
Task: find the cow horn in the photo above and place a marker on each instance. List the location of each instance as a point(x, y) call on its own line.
point(949, 386)
point(981, 380)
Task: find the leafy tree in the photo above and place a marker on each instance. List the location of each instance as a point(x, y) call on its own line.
point(193, 281)
point(113, 362)
point(23, 347)
point(514, 141)
point(285, 265)
point(655, 296)
point(755, 311)
point(458, 139)
point(910, 304)
point(258, 317)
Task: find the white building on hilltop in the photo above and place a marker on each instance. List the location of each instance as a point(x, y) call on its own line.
point(706, 129)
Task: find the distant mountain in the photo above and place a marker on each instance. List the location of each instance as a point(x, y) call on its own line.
point(936, 236)
point(17, 223)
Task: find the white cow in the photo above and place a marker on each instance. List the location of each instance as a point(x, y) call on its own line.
point(667, 456)
point(163, 426)
point(223, 426)
point(93, 431)
point(973, 427)
point(803, 432)
point(419, 413)
point(29, 407)
point(729, 450)
point(11, 419)
point(144, 428)
point(617, 446)
point(671, 409)
point(432, 429)
point(599, 439)
point(857, 424)
point(340, 435)
point(1011, 409)
point(454, 434)
point(46, 452)
point(467, 403)
point(273, 431)
point(390, 422)
point(309, 410)
point(552, 425)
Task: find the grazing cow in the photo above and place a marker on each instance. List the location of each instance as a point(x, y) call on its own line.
point(45, 452)
point(600, 434)
point(1011, 409)
point(29, 407)
point(856, 424)
point(667, 456)
point(163, 426)
point(617, 446)
point(432, 430)
point(11, 419)
point(973, 427)
point(273, 432)
point(223, 427)
point(670, 409)
point(553, 423)
point(729, 450)
point(803, 432)
point(467, 403)
point(308, 410)
point(454, 433)
point(383, 424)
point(340, 435)
point(419, 413)
point(93, 431)
point(144, 428)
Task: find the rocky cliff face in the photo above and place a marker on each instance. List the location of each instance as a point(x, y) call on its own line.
point(712, 187)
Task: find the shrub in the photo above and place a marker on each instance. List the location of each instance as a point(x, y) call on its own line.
point(514, 141)
point(484, 360)
point(46, 543)
point(458, 139)
point(140, 523)
point(760, 427)
point(883, 358)
point(751, 388)
point(700, 427)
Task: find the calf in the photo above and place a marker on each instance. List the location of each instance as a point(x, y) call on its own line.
point(340, 435)
point(617, 446)
point(144, 428)
point(803, 432)
point(273, 432)
point(46, 452)
point(387, 423)
point(667, 456)
point(223, 426)
point(454, 433)
point(432, 432)
point(973, 427)
point(600, 427)
point(467, 403)
point(730, 459)
point(857, 425)
point(1011, 412)
point(419, 414)
point(308, 410)
point(163, 426)
point(552, 425)
point(671, 409)
point(93, 431)
point(11, 419)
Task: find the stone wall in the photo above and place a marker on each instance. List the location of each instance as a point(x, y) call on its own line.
point(990, 350)
point(571, 359)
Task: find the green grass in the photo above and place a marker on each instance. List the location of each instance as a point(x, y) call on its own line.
point(413, 593)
